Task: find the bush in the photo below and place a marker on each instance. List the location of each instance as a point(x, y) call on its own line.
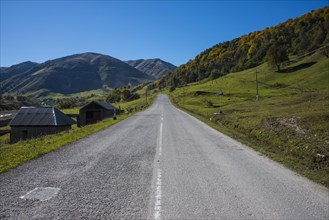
point(22, 98)
point(208, 103)
point(114, 96)
point(65, 103)
point(125, 95)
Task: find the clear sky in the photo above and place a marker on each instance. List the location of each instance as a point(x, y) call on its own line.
point(174, 31)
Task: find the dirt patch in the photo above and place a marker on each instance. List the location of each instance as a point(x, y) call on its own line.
point(279, 85)
point(292, 123)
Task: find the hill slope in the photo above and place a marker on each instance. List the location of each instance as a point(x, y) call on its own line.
point(296, 36)
point(7, 72)
point(153, 67)
point(289, 123)
point(74, 74)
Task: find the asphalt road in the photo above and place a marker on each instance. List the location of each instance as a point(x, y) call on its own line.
point(158, 164)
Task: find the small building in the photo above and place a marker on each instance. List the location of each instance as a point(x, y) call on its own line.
point(30, 122)
point(95, 111)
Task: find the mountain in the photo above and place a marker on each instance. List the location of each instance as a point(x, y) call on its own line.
point(72, 74)
point(153, 67)
point(297, 37)
point(7, 72)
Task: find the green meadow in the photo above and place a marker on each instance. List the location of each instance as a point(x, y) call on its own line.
point(289, 122)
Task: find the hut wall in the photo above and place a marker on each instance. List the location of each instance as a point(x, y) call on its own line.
point(107, 113)
point(25, 132)
point(82, 118)
point(83, 115)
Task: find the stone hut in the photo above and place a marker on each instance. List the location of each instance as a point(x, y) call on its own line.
point(30, 122)
point(95, 111)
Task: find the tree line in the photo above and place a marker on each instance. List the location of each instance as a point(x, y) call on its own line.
point(124, 94)
point(274, 44)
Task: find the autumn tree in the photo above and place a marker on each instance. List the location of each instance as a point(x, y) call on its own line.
point(276, 55)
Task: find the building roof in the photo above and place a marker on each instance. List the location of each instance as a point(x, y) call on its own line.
point(101, 104)
point(40, 116)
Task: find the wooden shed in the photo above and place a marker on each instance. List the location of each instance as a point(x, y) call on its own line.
point(32, 122)
point(95, 111)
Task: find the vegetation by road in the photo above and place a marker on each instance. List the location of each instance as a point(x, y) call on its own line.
point(289, 123)
point(23, 151)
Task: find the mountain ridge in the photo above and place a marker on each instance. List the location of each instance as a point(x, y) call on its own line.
point(72, 74)
point(153, 67)
point(7, 72)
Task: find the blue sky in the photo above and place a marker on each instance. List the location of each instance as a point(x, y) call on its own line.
point(175, 31)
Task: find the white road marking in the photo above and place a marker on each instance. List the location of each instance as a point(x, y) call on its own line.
point(158, 192)
point(41, 193)
point(158, 195)
point(160, 140)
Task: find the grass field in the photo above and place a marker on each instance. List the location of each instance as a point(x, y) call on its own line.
point(23, 151)
point(289, 122)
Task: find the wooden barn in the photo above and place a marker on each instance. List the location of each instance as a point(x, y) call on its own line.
point(32, 122)
point(95, 111)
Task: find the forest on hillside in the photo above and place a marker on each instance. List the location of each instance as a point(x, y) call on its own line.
point(295, 37)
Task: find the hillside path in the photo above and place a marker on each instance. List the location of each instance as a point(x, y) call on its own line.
point(158, 164)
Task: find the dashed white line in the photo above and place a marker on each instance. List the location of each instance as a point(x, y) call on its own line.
point(158, 196)
point(160, 140)
point(158, 192)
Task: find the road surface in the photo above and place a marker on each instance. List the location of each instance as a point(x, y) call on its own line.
point(158, 164)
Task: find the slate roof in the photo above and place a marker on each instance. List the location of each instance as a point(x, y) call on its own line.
point(104, 105)
point(40, 116)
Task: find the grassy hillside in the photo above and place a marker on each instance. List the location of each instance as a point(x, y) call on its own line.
point(289, 123)
point(295, 37)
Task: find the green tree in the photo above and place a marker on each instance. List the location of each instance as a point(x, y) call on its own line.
point(161, 83)
point(276, 55)
point(114, 96)
point(172, 88)
point(215, 74)
point(127, 95)
point(9, 98)
point(319, 37)
point(22, 98)
point(65, 103)
point(325, 51)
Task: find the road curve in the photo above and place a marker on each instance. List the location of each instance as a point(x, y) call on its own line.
point(158, 164)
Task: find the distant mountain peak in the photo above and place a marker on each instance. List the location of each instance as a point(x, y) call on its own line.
point(154, 67)
point(25, 63)
point(72, 74)
point(8, 72)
